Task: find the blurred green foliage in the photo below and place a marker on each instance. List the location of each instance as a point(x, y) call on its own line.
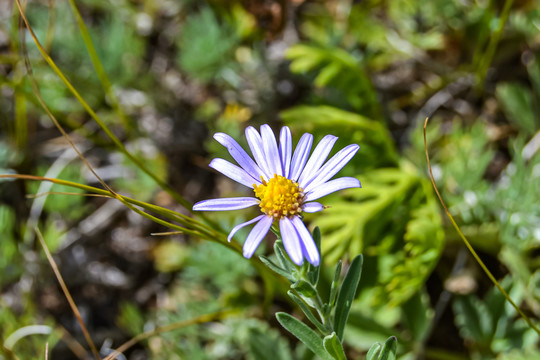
point(366, 71)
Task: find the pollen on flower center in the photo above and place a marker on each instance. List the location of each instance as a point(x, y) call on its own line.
point(280, 197)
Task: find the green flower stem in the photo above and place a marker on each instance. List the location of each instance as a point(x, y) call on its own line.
point(325, 316)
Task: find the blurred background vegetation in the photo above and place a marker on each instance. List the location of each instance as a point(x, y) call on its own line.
point(170, 73)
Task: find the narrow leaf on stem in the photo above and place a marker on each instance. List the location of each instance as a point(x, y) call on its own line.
point(306, 335)
point(275, 268)
point(335, 285)
point(307, 311)
point(346, 295)
point(333, 346)
point(389, 348)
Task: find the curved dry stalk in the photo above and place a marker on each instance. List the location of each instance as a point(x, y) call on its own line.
point(468, 244)
point(67, 294)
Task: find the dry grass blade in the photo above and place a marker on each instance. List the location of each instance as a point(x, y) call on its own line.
point(178, 325)
point(468, 244)
point(72, 304)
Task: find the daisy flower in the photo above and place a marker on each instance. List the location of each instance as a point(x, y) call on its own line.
point(284, 185)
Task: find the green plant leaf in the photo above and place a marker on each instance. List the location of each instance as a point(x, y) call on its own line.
point(334, 287)
point(346, 295)
point(275, 268)
point(473, 319)
point(282, 258)
point(333, 347)
point(304, 288)
point(373, 351)
point(417, 315)
point(304, 334)
point(206, 46)
point(388, 351)
point(517, 103)
point(314, 271)
point(307, 311)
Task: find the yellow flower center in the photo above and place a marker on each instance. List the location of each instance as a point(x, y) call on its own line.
point(280, 197)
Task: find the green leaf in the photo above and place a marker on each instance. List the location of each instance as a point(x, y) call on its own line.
point(207, 47)
point(517, 103)
point(333, 347)
point(307, 311)
point(346, 295)
point(304, 288)
point(473, 319)
point(373, 351)
point(388, 351)
point(303, 333)
point(335, 284)
point(264, 345)
point(314, 271)
point(275, 268)
point(282, 258)
point(417, 315)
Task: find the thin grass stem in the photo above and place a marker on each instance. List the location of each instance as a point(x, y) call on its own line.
point(467, 243)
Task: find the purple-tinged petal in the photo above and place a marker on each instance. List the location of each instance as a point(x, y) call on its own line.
point(309, 248)
point(271, 150)
point(239, 226)
point(312, 207)
point(332, 167)
point(224, 204)
point(291, 240)
point(242, 158)
point(256, 145)
point(285, 149)
point(234, 172)
point(256, 235)
point(316, 159)
point(332, 186)
point(300, 157)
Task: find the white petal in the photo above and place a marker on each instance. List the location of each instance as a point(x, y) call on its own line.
point(224, 204)
point(291, 240)
point(332, 167)
point(239, 226)
point(300, 157)
point(308, 245)
point(256, 145)
point(312, 207)
point(234, 172)
point(242, 158)
point(317, 159)
point(271, 150)
point(332, 186)
point(285, 149)
point(256, 235)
